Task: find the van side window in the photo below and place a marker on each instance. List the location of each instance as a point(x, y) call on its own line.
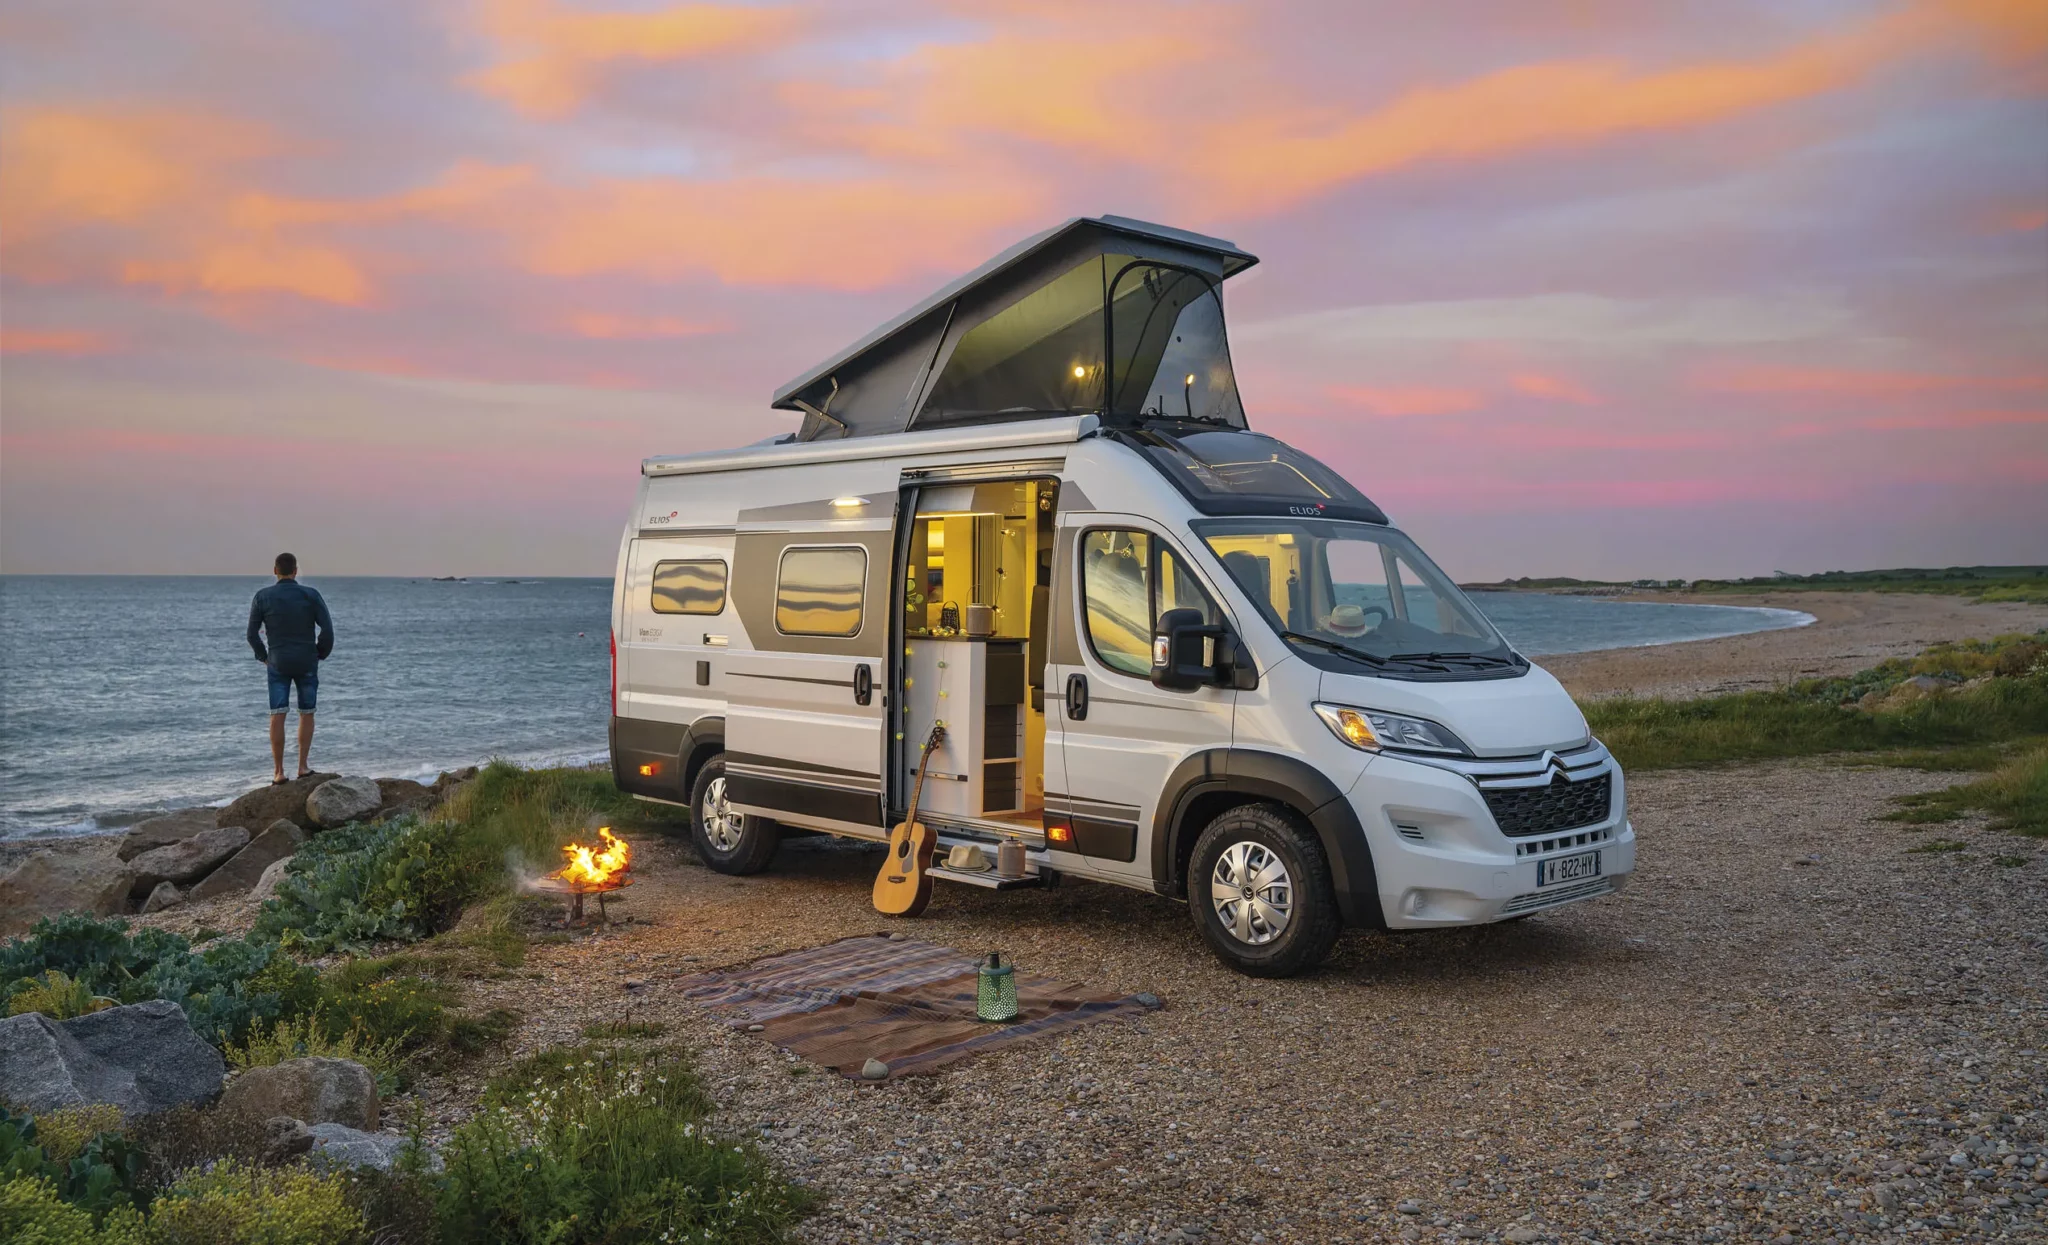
point(818, 591)
point(1116, 569)
point(689, 587)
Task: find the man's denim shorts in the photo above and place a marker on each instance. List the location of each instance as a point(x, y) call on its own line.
point(281, 688)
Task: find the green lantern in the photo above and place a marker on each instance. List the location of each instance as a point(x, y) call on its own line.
point(996, 991)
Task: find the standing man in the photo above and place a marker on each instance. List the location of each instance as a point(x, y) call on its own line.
point(289, 613)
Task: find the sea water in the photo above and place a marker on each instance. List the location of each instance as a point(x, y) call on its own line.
point(123, 697)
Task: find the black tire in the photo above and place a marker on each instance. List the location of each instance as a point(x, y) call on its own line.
point(1266, 833)
point(756, 842)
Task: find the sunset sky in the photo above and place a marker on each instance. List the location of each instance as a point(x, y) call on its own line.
point(1585, 287)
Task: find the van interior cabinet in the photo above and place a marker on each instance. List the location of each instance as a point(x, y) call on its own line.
point(976, 687)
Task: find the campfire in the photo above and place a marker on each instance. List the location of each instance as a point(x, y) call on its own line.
point(591, 870)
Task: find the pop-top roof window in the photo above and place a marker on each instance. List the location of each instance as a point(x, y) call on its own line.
point(1232, 472)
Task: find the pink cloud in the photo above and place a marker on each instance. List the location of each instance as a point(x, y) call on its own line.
point(1559, 388)
point(1410, 400)
point(640, 328)
point(1863, 384)
point(74, 343)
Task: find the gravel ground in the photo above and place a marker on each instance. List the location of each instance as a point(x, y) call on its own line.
point(1790, 1027)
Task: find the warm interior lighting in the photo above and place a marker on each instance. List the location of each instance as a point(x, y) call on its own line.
point(1080, 373)
point(849, 501)
point(1191, 378)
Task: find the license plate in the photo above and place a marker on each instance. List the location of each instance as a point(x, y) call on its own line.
point(1568, 869)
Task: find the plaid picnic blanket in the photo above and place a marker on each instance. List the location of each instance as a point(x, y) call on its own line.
point(909, 1004)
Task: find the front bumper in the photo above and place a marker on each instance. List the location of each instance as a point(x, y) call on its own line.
point(1440, 858)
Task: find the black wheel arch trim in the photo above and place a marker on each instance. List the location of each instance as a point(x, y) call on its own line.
point(1274, 776)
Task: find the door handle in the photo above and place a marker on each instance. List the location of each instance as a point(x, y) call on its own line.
point(863, 685)
point(1077, 697)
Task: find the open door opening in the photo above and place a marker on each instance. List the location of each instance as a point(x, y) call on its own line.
point(976, 611)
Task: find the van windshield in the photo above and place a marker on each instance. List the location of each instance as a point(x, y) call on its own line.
point(1356, 590)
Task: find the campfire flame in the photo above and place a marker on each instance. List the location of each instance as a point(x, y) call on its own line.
point(595, 866)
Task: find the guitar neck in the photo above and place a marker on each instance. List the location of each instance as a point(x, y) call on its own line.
point(924, 763)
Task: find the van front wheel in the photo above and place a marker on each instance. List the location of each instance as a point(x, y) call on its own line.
point(729, 841)
point(1259, 890)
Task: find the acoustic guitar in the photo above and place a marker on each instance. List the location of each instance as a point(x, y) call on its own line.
point(904, 886)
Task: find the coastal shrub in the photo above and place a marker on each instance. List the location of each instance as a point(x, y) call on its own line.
point(2015, 795)
point(224, 988)
point(1653, 733)
point(307, 1036)
point(233, 1203)
point(62, 1134)
point(590, 1145)
point(32, 1213)
point(99, 1175)
point(56, 996)
point(363, 884)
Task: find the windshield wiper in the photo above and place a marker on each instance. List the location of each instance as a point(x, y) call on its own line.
point(1356, 654)
point(1484, 659)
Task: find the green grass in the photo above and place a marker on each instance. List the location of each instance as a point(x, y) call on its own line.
point(1983, 583)
point(1751, 726)
point(2014, 795)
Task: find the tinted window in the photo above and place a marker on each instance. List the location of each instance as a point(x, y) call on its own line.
point(689, 587)
point(1167, 341)
point(1225, 472)
point(818, 591)
point(1118, 571)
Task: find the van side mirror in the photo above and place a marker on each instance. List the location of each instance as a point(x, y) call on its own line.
point(1186, 651)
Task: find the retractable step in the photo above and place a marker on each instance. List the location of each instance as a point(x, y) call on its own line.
point(987, 879)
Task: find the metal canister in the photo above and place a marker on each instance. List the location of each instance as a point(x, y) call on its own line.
point(1010, 858)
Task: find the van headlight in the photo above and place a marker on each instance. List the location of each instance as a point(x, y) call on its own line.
point(1372, 730)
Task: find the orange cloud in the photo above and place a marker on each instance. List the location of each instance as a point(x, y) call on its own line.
point(1407, 401)
point(71, 342)
point(60, 168)
point(467, 185)
point(771, 231)
point(640, 328)
point(553, 58)
point(315, 272)
point(1559, 388)
point(1863, 384)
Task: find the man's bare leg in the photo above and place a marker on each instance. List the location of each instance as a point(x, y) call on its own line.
point(305, 743)
point(277, 747)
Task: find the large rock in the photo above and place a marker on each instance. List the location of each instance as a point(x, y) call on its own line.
point(51, 882)
point(166, 895)
point(141, 1058)
point(245, 868)
point(266, 804)
point(187, 862)
point(342, 800)
point(337, 1146)
point(317, 1089)
point(163, 831)
point(266, 886)
point(403, 795)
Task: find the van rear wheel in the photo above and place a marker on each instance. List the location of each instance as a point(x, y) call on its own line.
point(1259, 891)
point(729, 841)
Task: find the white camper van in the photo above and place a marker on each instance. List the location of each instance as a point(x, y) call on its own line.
point(1170, 653)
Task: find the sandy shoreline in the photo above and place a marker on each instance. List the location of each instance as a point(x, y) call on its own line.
point(1850, 631)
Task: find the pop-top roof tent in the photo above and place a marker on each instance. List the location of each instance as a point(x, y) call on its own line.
point(1101, 315)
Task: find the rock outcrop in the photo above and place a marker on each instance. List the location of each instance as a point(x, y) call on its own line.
point(166, 895)
point(266, 804)
point(342, 800)
point(48, 883)
point(163, 831)
point(266, 886)
point(188, 861)
point(337, 1146)
point(141, 1058)
point(317, 1089)
point(403, 795)
point(244, 869)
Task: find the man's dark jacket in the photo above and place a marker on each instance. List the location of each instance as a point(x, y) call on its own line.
point(288, 612)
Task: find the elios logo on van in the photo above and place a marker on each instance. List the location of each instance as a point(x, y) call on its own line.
point(663, 518)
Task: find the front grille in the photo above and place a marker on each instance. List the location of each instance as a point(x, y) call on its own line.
point(1550, 899)
point(1523, 811)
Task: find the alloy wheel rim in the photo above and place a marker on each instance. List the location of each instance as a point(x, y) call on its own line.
point(1252, 893)
point(722, 826)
